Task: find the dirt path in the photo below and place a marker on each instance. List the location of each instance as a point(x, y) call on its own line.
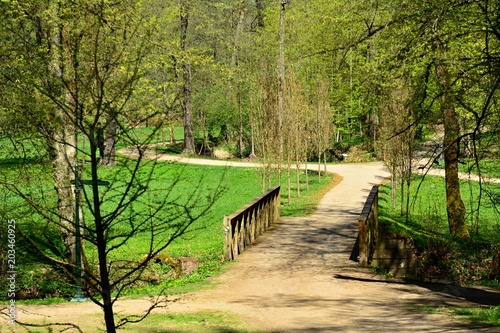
point(298, 278)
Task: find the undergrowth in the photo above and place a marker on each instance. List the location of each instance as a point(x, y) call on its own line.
point(36, 278)
point(439, 256)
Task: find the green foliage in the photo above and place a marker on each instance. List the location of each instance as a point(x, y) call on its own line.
point(479, 315)
point(442, 258)
point(209, 321)
point(39, 281)
point(427, 205)
point(483, 316)
point(307, 203)
point(151, 135)
point(203, 241)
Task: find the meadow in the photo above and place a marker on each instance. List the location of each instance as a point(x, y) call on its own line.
point(440, 257)
point(203, 240)
point(427, 213)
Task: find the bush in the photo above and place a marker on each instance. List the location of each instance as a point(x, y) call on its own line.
point(463, 264)
point(38, 281)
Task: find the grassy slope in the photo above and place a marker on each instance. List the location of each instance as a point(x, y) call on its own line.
point(204, 242)
point(428, 227)
point(428, 207)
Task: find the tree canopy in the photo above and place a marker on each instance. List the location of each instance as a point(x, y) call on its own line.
point(284, 81)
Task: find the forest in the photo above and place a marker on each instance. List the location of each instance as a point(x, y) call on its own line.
point(282, 82)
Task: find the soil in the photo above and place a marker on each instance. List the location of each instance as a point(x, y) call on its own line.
point(300, 277)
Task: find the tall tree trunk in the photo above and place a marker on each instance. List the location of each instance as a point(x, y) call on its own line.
point(281, 72)
point(171, 134)
point(252, 144)
point(189, 147)
point(100, 236)
point(63, 161)
point(252, 128)
point(110, 143)
point(454, 205)
point(62, 142)
point(234, 65)
point(240, 110)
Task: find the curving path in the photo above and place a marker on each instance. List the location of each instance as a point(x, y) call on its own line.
point(298, 277)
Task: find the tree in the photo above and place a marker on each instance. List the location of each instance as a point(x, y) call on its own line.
point(454, 203)
point(85, 77)
point(295, 134)
point(397, 139)
point(322, 123)
point(189, 147)
point(237, 95)
point(281, 78)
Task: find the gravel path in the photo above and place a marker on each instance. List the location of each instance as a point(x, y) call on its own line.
point(298, 277)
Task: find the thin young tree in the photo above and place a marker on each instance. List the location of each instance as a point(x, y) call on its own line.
point(397, 140)
point(189, 147)
point(84, 79)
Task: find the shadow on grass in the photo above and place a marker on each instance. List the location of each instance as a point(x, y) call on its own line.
point(170, 149)
point(213, 330)
point(16, 162)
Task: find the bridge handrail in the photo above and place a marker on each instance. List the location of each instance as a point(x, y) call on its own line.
point(243, 227)
point(368, 227)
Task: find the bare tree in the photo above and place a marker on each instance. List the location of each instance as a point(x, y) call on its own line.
point(295, 134)
point(189, 147)
point(281, 78)
point(397, 137)
point(87, 82)
point(322, 123)
point(265, 127)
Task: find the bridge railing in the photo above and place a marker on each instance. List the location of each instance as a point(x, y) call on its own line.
point(368, 227)
point(243, 227)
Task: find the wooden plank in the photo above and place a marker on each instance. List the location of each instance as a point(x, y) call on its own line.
point(363, 259)
point(228, 236)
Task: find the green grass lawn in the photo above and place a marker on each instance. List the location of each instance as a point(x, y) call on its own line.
point(165, 322)
point(482, 316)
point(488, 168)
point(203, 241)
point(207, 322)
point(428, 208)
point(462, 262)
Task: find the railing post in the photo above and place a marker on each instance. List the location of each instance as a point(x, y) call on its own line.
point(362, 242)
point(368, 227)
point(375, 221)
point(228, 236)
